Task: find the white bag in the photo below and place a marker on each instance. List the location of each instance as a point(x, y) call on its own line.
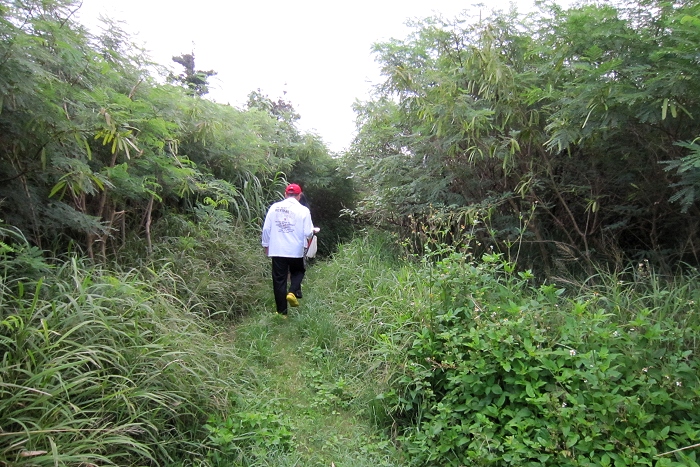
point(311, 248)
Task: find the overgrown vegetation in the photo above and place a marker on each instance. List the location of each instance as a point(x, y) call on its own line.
point(520, 164)
point(105, 367)
point(461, 362)
point(584, 117)
point(506, 372)
point(469, 361)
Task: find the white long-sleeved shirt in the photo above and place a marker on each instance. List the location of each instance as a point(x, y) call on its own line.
point(286, 229)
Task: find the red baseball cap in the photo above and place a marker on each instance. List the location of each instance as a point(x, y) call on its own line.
point(293, 189)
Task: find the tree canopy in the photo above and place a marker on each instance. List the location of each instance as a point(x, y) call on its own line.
point(196, 81)
point(94, 148)
point(571, 129)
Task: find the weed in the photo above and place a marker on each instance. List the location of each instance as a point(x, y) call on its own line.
point(509, 373)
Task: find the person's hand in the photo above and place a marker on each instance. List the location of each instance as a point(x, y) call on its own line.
point(316, 230)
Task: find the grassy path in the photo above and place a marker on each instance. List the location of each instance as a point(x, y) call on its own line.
point(305, 389)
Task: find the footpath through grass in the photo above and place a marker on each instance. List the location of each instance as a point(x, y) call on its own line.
point(314, 389)
point(302, 414)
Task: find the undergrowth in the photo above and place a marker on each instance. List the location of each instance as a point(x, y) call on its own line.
point(107, 366)
point(100, 368)
point(387, 362)
point(505, 372)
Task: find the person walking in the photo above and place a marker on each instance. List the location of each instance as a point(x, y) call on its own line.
point(285, 234)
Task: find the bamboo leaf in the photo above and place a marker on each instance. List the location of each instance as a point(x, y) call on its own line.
point(60, 186)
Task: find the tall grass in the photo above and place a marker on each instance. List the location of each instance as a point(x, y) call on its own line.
point(639, 294)
point(217, 266)
point(103, 366)
point(386, 362)
point(373, 301)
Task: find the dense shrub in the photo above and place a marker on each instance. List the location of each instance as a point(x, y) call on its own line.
point(507, 373)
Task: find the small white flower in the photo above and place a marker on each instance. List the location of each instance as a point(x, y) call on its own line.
point(679, 384)
point(572, 352)
point(616, 334)
point(645, 370)
point(563, 404)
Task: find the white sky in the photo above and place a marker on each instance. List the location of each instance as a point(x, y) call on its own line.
point(318, 51)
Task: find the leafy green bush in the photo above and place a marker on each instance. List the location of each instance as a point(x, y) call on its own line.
point(19, 258)
point(246, 436)
point(507, 373)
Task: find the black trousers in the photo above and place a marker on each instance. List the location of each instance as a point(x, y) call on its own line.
point(281, 268)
